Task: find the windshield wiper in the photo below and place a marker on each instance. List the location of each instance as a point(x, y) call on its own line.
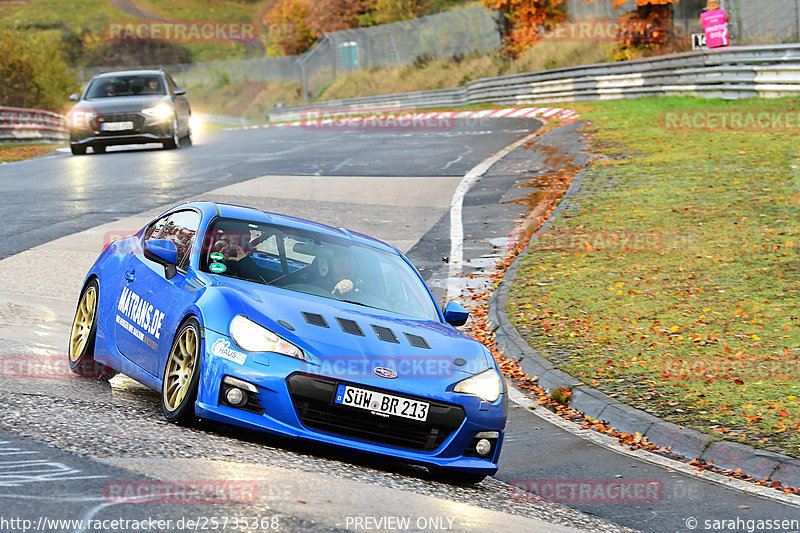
point(355, 302)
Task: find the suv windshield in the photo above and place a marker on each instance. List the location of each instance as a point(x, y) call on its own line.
point(316, 264)
point(132, 85)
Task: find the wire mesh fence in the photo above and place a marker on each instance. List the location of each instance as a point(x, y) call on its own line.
point(442, 36)
point(764, 21)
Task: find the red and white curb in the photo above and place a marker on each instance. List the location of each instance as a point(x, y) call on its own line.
point(334, 118)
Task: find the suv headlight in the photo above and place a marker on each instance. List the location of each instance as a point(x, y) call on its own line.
point(160, 112)
point(252, 337)
point(80, 119)
point(487, 385)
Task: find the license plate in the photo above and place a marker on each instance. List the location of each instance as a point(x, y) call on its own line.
point(116, 126)
point(382, 404)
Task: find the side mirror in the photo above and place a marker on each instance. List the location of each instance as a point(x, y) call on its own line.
point(164, 252)
point(455, 314)
point(74, 97)
point(179, 91)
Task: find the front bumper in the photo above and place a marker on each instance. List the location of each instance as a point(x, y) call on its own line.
point(145, 130)
point(299, 404)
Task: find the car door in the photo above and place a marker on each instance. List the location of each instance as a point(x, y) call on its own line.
point(150, 305)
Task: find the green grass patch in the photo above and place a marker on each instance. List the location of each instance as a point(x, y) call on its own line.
point(672, 284)
point(19, 152)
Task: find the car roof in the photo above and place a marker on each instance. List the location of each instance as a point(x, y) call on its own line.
point(256, 215)
point(130, 73)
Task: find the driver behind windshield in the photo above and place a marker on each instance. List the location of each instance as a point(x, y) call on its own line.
point(337, 274)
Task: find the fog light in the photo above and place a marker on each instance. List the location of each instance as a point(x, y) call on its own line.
point(483, 447)
point(236, 397)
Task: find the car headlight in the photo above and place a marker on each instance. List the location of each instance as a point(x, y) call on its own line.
point(252, 337)
point(160, 112)
point(487, 385)
point(80, 119)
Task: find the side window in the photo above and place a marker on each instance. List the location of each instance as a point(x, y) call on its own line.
point(269, 246)
point(180, 228)
point(154, 231)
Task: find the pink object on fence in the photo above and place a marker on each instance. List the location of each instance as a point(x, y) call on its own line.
point(715, 25)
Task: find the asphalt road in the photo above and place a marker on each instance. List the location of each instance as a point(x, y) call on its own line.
point(55, 196)
point(61, 195)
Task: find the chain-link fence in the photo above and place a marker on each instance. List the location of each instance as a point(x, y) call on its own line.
point(764, 21)
point(442, 36)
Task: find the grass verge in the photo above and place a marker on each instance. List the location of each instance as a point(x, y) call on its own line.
point(672, 284)
point(19, 152)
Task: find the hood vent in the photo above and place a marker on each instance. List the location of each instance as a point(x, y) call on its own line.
point(350, 326)
point(417, 341)
point(315, 319)
point(385, 334)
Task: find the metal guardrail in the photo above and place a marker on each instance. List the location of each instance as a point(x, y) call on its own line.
point(20, 125)
point(730, 73)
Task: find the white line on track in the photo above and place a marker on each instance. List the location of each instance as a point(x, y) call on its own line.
point(472, 177)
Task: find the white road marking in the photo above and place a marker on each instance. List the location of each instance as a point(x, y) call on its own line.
point(457, 224)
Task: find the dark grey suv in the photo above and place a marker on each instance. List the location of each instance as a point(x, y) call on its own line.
point(129, 107)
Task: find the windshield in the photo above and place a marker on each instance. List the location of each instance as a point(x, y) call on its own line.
point(133, 85)
point(316, 264)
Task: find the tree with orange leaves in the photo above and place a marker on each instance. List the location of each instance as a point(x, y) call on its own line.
point(523, 20)
point(288, 26)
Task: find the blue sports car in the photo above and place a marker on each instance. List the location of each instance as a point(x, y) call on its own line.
point(291, 327)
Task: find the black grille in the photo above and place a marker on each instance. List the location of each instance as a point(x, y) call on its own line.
point(417, 341)
point(315, 319)
point(385, 334)
point(350, 326)
point(313, 399)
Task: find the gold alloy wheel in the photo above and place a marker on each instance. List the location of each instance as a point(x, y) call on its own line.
point(82, 325)
point(180, 369)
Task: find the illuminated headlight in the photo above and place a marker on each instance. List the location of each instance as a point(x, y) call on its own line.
point(80, 119)
point(251, 337)
point(159, 112)
point(487, 385)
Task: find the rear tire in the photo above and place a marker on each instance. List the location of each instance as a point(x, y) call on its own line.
point(83, 334)
point(77, 149)
point(182, 375)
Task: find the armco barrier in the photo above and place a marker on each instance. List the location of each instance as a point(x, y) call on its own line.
point(19, 125)
point(731, 73)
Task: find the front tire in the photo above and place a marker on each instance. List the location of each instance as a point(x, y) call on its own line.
point(77, 149)
point(83, 334)
point(175, 140)
point(182, 375)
